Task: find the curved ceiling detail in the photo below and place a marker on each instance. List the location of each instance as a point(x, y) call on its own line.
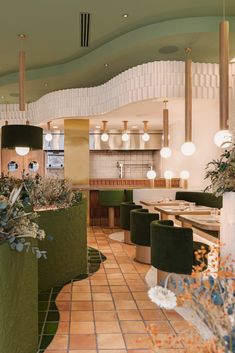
point(135, 47)
point(148, 81)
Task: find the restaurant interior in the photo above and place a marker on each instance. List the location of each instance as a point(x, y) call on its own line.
point(117, 187)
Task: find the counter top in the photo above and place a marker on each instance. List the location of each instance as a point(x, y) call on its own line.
point(101, 184)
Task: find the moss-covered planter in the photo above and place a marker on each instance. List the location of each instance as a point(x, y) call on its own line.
point(18, 301)
point(67, 252)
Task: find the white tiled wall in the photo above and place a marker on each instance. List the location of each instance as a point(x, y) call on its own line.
point(103, 164)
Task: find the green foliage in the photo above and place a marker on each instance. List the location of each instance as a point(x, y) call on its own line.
point(221, 173)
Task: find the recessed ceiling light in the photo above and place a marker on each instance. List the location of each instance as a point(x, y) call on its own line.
point(45, 84)
point(125, 15)
point(55, 127)
point(97, 126)
point(134, 127)
point(106, 65)
point(2, 97)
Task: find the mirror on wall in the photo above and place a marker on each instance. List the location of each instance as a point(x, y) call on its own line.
point(33, 166)
point(12, 166)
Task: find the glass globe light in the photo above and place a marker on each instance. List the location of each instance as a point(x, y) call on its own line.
point(188, 148)
point(104, 137)
point(125, 137)
point(145, 137)
point(223, 138)
point(22, 151)
point(168, 174)
point(48, 137)
point(151, 174)
point(165, 152)
point(184, 174)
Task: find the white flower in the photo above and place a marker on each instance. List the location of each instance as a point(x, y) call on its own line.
point(163, 297)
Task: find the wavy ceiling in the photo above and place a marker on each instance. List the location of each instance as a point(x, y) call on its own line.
point(55, 59)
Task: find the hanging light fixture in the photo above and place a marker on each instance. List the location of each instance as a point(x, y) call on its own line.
point(145, 136)
point(165, 151)
point(223, 137)
point(48, 136)
point(188, 148)
point(104, 136)
point(125, 135)
point(151, 174)
point(22, 138)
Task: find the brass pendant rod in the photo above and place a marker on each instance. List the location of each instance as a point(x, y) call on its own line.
point(165, 127)
point(188, 100)
point(105, 122)
point(125, 124)
point(22, 80)
point(224, 74)
point(145, 122)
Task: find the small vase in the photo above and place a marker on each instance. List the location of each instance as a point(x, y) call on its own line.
point(227, 229)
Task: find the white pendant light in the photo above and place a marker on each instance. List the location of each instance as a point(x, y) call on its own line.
point(168, 174)
point(48, 136)
point(125, 135)
point(223, 138)
point(165, 151)
point(188, 148)
point(104, 136)
point(22, 151)
point(151, 174)
point(145, 136)
point(184, 174)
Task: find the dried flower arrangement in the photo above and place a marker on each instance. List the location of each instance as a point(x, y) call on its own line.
point(16, 225)
point(45, 192)
point(221, 173)
point(211, 296)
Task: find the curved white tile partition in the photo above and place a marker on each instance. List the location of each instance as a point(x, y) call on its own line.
point(152, 80)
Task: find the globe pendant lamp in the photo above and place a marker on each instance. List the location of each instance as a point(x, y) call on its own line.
point(104, 136)
point(22, 138)
point(223, 137)
point(145, 136)
point(48, 136)
point(125, 135)
point(188, 148)
point(165, 151)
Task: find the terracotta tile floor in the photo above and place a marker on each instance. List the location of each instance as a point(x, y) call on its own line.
point(109, 311)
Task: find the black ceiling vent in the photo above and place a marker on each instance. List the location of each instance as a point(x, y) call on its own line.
point(85, 28)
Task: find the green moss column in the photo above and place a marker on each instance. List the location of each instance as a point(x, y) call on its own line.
point(67, 252)
point(18, 301)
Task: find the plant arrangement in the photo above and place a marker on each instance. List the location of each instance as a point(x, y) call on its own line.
point(16, 226)
point(45, 192)
point(221, 173)
point(211, 296)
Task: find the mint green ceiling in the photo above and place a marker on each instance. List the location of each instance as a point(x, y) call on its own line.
point(55, 59)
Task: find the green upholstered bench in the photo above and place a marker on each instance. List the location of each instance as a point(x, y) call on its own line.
point(125, 210)
point(200, 198)
point(140, 220)
point(173, 249)
point(111, 199)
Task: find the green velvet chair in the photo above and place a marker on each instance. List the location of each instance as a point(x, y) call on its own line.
point(128, 195)
point(173, 248)
point(140, 220)
point(125, 210)
point(111, 199)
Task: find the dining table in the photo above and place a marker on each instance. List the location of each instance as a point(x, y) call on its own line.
point(164, 202)
point(166, 212)
point(202, 224)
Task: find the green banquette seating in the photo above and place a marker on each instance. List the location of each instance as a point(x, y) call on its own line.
point(204, 199)
point(140, 220)
point(125, 210)
point(111, 199)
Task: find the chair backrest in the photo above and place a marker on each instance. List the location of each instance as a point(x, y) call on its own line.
point(125, 209)
point(111, 198)
point(200, 198)
point(140, 221)
point(128, 195)
point(171, 247)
